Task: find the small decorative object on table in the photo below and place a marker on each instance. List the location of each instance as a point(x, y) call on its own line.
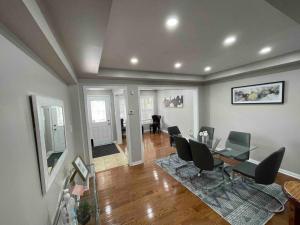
point(204, 136)
point(81, 168)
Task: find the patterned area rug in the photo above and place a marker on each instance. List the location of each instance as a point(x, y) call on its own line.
point(238, 204)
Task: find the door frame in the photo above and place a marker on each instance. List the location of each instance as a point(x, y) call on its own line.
point(86, 120)
point(89, 114)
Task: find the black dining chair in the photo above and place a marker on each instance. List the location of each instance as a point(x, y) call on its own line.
point(204, 160)
point(123, 128)
point(155, 125)
point(210, 131)
point(264, 173)
point(239, 141)
point(173, 131)
point(184, 153)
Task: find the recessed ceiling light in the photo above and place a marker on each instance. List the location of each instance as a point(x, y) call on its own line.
point(172, 22)
point(178, 65)
point(207, 69)
point(265, 50)
point(230, 40)
point(134, 60)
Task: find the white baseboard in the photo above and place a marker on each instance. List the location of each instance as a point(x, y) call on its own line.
point(136, 163)
point(165, 131)
point(283, 171)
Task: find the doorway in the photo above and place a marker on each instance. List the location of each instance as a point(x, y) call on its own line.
point(100, 121)
point(104, 127)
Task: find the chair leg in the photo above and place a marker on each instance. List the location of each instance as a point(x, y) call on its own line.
point(281, 209)
point(208, 188)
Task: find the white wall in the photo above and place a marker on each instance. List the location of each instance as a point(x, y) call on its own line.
point(271, 126)
point(21, 197)
point(181, 117)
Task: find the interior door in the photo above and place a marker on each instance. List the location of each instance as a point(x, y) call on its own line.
point(58, 128)
point(100, 119)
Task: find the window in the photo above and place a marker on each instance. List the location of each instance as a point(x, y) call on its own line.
point(147, 108)
point(98, 111)
point(122, 108)
point(60, 117)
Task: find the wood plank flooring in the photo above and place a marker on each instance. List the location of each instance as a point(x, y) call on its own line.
point(145, 194)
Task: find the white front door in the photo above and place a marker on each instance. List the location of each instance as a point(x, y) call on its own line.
point(99, 114)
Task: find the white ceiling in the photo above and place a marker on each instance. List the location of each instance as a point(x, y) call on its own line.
point(81, 26)
point(97, 38)
point(137, 28)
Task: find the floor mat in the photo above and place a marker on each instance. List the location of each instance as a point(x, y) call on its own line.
point(104, 150)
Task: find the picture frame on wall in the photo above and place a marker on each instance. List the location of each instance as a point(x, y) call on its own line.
point(265, 93)
point(173, 101)
point(80, 167)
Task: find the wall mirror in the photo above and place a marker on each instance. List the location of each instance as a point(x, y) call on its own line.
point(50, 134)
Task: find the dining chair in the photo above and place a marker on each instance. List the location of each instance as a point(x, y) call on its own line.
point(204, 160)
point(173, 131)
point(184, 154)
point(264, 173)
point(155, 125)
point(210, 131)
point(123, 128)
point(239, 141)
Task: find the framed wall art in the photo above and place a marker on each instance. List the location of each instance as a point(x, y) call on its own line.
point(266, 93)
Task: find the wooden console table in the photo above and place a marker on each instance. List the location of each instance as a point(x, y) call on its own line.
point(292, 190)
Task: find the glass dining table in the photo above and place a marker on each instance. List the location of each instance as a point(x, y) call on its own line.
point(232, 152)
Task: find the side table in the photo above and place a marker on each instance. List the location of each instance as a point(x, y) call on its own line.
point(292, 190)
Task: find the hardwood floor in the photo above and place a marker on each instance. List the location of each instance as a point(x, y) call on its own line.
point(145, 194)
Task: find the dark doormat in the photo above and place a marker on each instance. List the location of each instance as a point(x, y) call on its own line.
point(53, 158)
point(104, 150)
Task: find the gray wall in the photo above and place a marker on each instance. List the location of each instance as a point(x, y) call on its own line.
point(133, 129)
point(21, 198)
point(271, 126)
point(181, 117)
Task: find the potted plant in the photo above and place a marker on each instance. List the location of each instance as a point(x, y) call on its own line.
point(84, 213)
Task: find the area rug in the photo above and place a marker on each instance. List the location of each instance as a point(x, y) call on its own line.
point(104, 150)
point(238, 204)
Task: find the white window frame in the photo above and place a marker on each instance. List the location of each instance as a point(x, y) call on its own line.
point(150, 111)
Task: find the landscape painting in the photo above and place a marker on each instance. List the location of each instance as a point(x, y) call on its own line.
point(267, 93)
point(174, 101)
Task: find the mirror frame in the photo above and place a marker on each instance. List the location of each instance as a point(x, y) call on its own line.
point(36, 103)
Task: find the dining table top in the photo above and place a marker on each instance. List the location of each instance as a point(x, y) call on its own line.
point(233, 151)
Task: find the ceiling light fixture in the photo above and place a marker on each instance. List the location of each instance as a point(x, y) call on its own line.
point(207, 69)
point(172, 22)
point(178, 65)
point(265, 50)
point(230, 40)
point(134, 60)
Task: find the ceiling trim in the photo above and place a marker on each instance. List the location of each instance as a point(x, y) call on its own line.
point(144, 75)
point(267, 64)
point(42, 23)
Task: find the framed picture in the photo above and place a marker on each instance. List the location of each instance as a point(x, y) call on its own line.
point(266, 93)
point(80, 167)
point(174, 101)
